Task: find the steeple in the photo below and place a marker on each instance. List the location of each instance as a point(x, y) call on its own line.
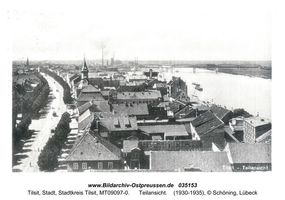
point(27, 62)
point(84, 70)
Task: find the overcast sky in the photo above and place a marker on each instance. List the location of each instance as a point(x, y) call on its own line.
point(149, 30)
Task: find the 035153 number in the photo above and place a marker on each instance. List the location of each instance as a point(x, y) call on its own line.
point(187, 185)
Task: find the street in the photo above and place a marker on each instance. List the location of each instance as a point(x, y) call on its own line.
point(42, 127)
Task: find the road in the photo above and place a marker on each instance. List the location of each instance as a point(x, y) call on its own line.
point(42, 127)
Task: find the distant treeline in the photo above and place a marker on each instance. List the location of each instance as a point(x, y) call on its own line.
point(48, 158)
point(67, 99)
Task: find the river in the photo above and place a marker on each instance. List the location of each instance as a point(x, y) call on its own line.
point(233, 91)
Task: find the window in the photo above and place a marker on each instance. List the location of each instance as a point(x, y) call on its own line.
point(100, 165)
point(75, 165)
point(84, 165)
point(110, 165)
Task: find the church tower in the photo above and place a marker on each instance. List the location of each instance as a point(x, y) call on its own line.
point(84, 71)
point(27, 62)
point(84, 75)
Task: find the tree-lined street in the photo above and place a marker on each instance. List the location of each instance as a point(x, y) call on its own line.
point(42, 127)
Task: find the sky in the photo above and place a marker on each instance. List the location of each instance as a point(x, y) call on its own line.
point(148, 30)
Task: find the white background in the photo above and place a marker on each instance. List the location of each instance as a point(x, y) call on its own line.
point(269, 185)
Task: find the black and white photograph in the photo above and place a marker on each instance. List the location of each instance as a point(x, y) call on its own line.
point(175, 88)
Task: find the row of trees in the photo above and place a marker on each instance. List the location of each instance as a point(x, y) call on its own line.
point(67, 99)
point(27, 104)
point(48, 158)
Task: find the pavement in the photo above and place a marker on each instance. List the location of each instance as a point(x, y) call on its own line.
point(42, 127)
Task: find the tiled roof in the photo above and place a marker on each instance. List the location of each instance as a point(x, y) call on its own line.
point(219, 111)
point(250, 153)
point(205, 161)
point(167, 129)
point(91, 147)
point(206, 123)
point(131, 109)
point(153, 94)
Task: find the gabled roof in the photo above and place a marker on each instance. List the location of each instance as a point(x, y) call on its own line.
point(206, 123)
point(250, 153)
point(91, 147)
point(206, 161)
point(131, 109)
point(219, 111)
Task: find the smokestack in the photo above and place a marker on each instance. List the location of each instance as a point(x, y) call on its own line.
point(150, 73)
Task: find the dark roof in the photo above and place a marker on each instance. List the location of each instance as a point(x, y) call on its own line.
point(91, 147)
point(131, 109)
point(219, 111)
point(206, 161)
point(167, 129)
point(206, 123)
point(250, 153)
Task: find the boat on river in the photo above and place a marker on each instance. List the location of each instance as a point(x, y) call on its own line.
point(196, 84)
point(199, 88)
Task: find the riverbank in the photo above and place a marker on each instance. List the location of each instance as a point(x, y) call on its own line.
point(265, 73)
